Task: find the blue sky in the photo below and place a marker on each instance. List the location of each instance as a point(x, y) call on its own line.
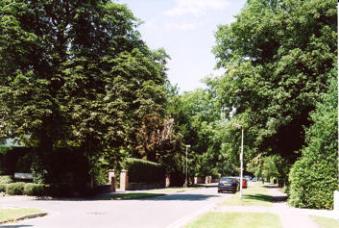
point(185, 29)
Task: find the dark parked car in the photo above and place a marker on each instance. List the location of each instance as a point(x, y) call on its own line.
point(228, 184)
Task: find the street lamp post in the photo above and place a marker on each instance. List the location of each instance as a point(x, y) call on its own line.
point(241, 156)
point(186, 181)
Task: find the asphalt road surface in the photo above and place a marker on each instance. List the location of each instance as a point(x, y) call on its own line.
point(165, 211)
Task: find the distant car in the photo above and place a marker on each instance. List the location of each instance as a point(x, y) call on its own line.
point(228, 184)
point(254, 179)
point(247, 177)
point(244, 181)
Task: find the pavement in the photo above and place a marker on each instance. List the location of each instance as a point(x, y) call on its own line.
point(290, 217)
point(172, 210)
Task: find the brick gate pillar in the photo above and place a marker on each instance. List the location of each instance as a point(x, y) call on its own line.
point(123, 180)
point(111, 179)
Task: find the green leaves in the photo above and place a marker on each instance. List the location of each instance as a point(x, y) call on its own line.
point(314, 177)
point(277, 58)
point(77, 74)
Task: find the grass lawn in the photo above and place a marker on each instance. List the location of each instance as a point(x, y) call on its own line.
point(129, 196)
point(325, 222)
point(255, 195)
point(236, 219)
point(12, 214)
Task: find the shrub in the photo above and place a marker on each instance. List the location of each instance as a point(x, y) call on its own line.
point(142, 171)
point(6, 179)
point(313, 178)
point(3, 187)
point(34, 189)
point(15, 188)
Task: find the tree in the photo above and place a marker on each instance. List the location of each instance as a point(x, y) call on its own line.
point(197, 116)
point(314, 177)
point(276, 57)
point(42, 42)
point(76, 74)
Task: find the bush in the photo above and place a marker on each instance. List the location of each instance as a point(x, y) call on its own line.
point(6, 179)
point(313, 178)
point(3, 187)
point(34, 189)
point(15, 188)
point(142, 171)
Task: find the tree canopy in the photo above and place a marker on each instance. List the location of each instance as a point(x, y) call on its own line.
point(77, 74)
point(277, 57)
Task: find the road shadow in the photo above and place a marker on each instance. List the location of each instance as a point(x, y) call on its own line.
point(266, 198)
point(137, 196)
point(48, 198)
point(182, 197)
point(271, 186)
point(15, 226)
point(205, 185)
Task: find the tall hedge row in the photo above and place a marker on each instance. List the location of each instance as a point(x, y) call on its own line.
point(314, 177)
point(142, 171)
point(66, 170)
point(15, 159)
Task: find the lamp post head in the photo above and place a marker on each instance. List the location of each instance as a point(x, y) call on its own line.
point(188, 146)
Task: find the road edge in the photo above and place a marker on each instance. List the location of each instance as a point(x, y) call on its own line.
point(185, 220)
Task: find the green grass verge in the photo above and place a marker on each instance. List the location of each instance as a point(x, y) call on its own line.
point(255, 195)
point(236, 219)
point(325, 222)
point(129, 196)
point(14, 214)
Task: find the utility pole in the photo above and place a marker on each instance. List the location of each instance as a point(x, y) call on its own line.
point(241, 156)
point(186, 180)
point(338, 104)
point(241, 160)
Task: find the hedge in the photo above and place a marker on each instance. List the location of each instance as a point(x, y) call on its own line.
point(64, 168)
point(143, 171)
point(3, 187)
point(15, 188)
point(313, 178)
point(177, 179)
point(15, 159)
point(6, 179)
point(32, 189)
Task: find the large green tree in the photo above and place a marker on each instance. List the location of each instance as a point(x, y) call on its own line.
point(197, 116)
point(277, 56)
point(76, 74)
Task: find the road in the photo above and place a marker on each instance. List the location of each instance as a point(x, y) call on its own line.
point(165, 211)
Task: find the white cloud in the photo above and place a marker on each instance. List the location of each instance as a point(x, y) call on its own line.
point(154, 26)
point(182, 26)
point(196, 7)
